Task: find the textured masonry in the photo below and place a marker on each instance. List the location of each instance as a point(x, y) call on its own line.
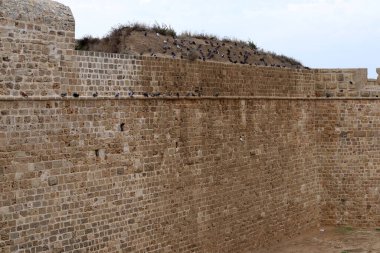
point(257, 155)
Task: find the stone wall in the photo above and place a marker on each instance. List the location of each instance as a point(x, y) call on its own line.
point(345, 83)
point(347, 132)
point(218, 158)
point(35, 35)
point(348, 141)
point(155, 176)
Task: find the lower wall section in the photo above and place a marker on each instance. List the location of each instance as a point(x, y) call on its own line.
point(348, 134)
point(156, 175)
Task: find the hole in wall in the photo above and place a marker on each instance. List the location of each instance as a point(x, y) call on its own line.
point(122, 127)
point(97, 152)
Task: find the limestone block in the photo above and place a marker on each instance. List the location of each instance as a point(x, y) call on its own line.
point(53, 181)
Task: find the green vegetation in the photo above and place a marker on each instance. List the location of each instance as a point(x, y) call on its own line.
point(83, 44)
point(344, 230)
point(229, 49)
point(207, 36)
point(163, 29)
point(284, 58)
point(252, 45)
point(112, 41)
point(201, 36)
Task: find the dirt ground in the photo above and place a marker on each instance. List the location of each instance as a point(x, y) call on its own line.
point(331, 240)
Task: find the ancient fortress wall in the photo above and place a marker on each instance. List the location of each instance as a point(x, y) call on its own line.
point(259, 154)
point(347, 134)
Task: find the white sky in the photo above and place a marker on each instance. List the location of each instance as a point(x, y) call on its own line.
point(319, 33)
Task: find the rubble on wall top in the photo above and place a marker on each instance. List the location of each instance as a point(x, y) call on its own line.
point(39, 12)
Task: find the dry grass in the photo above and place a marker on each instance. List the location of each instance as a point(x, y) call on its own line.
point(162, 40)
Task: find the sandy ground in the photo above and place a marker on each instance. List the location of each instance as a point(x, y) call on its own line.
point(332, 240)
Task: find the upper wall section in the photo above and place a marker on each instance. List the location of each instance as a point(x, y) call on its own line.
point(37, 58)
point(37, 22)
point(108, 74)
point(346, 83)
point(44, 12)
point(35, 36)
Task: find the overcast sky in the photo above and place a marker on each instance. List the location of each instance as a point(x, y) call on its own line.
point(319, 33)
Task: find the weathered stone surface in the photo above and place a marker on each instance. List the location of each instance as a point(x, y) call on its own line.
point(52, 181)
point(347, 133)
point(42, 12)
point(253, 154)
point(195, 171)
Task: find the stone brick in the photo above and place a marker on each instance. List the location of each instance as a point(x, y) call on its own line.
point(52, 181)
point(120, 171)
point(331, 86)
